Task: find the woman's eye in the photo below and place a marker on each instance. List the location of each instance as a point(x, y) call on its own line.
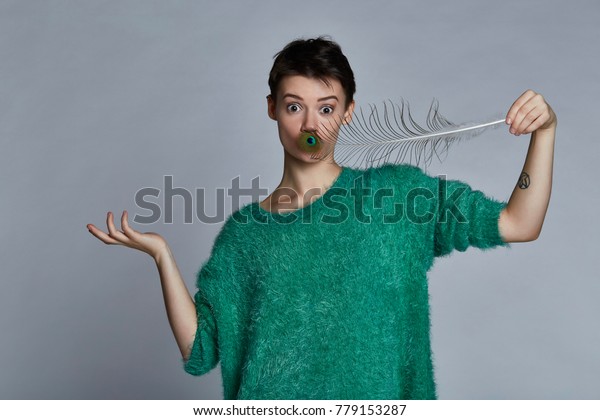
point(293, 107)
point(327, 110)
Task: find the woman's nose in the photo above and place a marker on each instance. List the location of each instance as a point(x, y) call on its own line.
point(309, 124)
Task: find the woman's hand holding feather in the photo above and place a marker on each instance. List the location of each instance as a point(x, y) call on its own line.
point(530, 112)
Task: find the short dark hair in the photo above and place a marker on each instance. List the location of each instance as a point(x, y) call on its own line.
point(320, 58)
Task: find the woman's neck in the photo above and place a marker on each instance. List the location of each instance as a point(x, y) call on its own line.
point(301, 183)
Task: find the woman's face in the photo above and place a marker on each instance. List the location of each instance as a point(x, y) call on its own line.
point(309, 105)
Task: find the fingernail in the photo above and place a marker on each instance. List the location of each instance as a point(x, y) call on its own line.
point(508, 121)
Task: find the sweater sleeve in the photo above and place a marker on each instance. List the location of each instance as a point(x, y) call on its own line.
point(204, 355)
point(215, 300)
point(465, 217)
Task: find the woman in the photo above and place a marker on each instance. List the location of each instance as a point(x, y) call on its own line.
point(320, 290)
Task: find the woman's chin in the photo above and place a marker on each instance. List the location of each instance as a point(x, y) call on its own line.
point(305, 157)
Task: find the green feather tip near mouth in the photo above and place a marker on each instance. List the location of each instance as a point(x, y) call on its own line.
point(310, 143)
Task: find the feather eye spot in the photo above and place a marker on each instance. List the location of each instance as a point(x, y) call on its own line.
point(309, 142)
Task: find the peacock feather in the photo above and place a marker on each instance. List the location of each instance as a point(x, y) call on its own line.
point(389, 134)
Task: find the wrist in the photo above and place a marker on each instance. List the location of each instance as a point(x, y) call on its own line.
point(546, 132)
point(550, 125)
point(162, 253)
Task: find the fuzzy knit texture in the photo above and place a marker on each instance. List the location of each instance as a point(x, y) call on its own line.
point(331, 301)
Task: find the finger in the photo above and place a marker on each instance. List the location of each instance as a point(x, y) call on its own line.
point(537, 123)
point(112, 230)
point(519, 102)
point(102, 236)
point(525, 118)
point(535, 119)
point(514, 109)
point(127, 230)
point(531, 111)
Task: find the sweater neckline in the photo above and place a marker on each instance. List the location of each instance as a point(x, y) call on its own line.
point(339, 180)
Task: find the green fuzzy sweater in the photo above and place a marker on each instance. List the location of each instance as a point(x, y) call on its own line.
point(331, 301)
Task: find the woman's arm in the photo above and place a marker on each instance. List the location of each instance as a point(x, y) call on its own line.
point(181, 310)
point(523, 217)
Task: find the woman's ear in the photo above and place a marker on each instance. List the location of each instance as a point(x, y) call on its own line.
point(271, 107)
point(348, 114)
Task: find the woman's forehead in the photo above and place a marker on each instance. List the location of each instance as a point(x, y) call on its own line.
point(311, 88)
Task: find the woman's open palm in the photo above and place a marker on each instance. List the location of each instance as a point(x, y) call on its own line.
point(151, 243)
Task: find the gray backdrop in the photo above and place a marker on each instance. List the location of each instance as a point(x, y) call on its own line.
point(99, 99)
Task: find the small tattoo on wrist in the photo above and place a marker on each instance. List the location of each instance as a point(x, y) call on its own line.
point(524, 181)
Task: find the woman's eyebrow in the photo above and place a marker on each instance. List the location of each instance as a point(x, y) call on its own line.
point(291, 95)
point(326, 98)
